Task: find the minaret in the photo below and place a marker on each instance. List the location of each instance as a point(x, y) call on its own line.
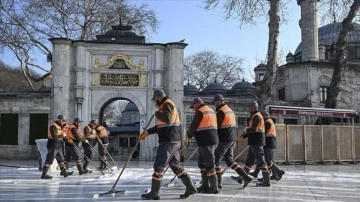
point(309, 29)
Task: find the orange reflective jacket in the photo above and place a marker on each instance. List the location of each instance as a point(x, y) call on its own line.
point(89, 132)
point(271, 131)
point(69, 134)
point(59, 131)
point(208, 120)
point(174, 121)
point(102, 131)
point(229, 119)
point(261, 126)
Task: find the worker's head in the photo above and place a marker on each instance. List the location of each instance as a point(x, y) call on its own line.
point(265, 113)
point(252, 106)
point(94, 123)
point(158, 95)
point(77, 122)
point(61, 119)
point(196, 103)
point(218, 100)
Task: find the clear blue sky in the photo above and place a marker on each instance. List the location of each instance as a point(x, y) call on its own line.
point(208, 30)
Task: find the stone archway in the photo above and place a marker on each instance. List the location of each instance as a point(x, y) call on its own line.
point(103, 100)
point(118, 64)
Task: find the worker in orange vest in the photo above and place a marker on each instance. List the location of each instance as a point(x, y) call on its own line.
point(103, 143)
point(204, 128)
point(90, 135)
point(226, 122)
point(74, 137)
point(56, 135)
point(168, 129)
point(255, 132)
point(270, 140)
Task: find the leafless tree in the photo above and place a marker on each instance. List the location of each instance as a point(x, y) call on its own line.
point(348, 11)
point(205, 67)
point(250, 12)
point(113, 112)
point(25, 26)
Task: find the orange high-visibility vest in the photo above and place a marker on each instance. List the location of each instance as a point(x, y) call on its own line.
point(261, 126)
point(103, 131)
point(208, 120)
point(59, 131)
point(91, 134)
point(174, 121)
point(271, 131)
point(69, 134)
point(229, 119)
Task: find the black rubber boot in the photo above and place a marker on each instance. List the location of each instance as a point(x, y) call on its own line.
point(255, 173)
point(101, 167)
point(104, 165)
point(154, 193)
point(205, 183)
point(277, 172)
point(219, 178)
point(64, 172)
point(245, 177)
point(213, 181)
point(44, 174)
point(266, 180)
point(190, 188)
point(80, 169)
point(85, 167)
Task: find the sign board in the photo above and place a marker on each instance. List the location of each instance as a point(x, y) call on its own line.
point(306, 111)
point(142, 122)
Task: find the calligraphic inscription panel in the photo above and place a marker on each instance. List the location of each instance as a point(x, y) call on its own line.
point(119, 79)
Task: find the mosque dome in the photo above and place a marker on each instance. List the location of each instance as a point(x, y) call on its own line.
point(130, 107)
point(188, 88)
point(215, 87)
point(329, 33)
point(243, 87)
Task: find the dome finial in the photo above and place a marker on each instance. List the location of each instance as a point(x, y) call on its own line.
point(120, 23)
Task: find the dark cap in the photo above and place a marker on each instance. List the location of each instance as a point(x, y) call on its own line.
point(77, 120)
point(196, 101)
point(158, 93)
point(252, 104)
point(264, 112)
point(218, 97)
point(94, 122)
point(61, 117)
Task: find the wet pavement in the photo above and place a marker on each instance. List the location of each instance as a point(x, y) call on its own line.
point(20, 181)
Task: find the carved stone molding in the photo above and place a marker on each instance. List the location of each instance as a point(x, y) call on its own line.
point(113, 59)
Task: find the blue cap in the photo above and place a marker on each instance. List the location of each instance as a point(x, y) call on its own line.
point(264, 112)
point(196, 101)
point(77, 120)
point(253, 104)
point(158, 93)
point(94, 122)
point(218, 97)
point(61, 117)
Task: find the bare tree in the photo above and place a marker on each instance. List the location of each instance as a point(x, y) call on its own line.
point(113, 113)
point(205, 67)
point(25, 26)
point(337, 8)
point(248, 12)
